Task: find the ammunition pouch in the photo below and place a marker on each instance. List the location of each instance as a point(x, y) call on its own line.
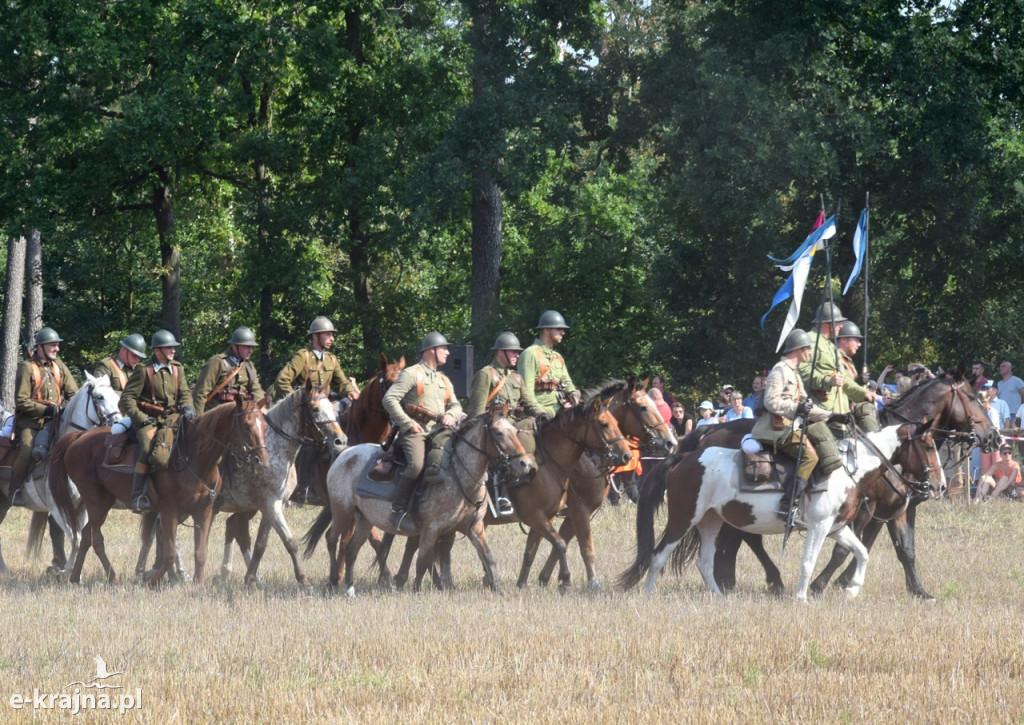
point(546, 385)
point(758, 467)
point(420, 414)
point(163, 442)
point(154, 410)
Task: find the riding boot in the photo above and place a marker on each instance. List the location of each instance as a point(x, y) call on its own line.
point(792, 492)
point(400, 518)
point(21, 470)
point(140, 501)
point(502, 501)
point(17, 493)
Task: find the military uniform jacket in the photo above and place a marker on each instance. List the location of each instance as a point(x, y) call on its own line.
point(164, 391)
point(541, 363)
point(115, 370)
point(214, 372)
point(420, 385)
point(854, 391)
point(304, 365)
point(38, 384)
point(818, 380)
point(783, 391)
point(486, 380)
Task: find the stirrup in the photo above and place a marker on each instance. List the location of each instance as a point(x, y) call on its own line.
point(402, 521)
point(504, 506)
point(141, 505)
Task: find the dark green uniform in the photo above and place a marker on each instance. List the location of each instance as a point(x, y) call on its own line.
point(37, 385)
point(863, 411)
point(819, 380)
point(116, 370)
point(143, 399)
point(544, 375)
point(214, 372)
point(307, 364)
point(487, 379)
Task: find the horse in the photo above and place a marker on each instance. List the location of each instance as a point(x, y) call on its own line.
point(95, 404)
point(703, 490)
point(455, 503)
point(957, 416)
point(590, 426)
point(185, 488)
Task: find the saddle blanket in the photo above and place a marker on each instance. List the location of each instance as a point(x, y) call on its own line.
point(370, 488)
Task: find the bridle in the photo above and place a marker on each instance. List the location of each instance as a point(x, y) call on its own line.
point(96, 416)
point(906, 449)
point(607, 454)
point(650, 430)
point(308, 423)
point(499, 456)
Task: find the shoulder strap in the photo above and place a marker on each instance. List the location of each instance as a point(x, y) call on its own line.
point(38, 381)
point(118, 371)
point(544, 367)
point(222, 384)
point(494, 390)
point(419, 383)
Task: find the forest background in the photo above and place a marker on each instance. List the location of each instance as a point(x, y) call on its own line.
point(462, 166)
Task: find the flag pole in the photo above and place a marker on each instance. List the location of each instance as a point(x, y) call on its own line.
point(867, 267)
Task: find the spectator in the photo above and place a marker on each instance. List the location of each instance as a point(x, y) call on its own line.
point(707, 414)
point(659, 402)
point(682, 422)
point(659, 384)
point(1009, 386)
point(757, 385)
point(918, 374)
point(978, 378)
point(724, 401)
point(987, 459)
point(886, 396)
point(1001, 475)
point(999, 404)
point(738, 409)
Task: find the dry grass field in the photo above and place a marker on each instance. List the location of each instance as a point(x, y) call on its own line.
point(235, 654)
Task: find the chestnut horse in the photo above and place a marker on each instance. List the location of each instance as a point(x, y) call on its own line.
point(455, 503)
point(957, 416)
point(704, 491)
point(561, 444)
point(365, 421)
point(186, 488)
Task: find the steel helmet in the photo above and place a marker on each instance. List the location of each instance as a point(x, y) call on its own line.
point(507, 341)
point(47, 335)
point(828, 312)
point(432, 340)
point(850, 329)
point(243, 336)
point(551, 320)
point(135, 343)
point(795, 340)
point(319, 324)
point(163, 338)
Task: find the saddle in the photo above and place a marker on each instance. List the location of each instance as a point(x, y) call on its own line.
point(764, 472)
point(380, 476)
point(117, 445)
point(8, 451)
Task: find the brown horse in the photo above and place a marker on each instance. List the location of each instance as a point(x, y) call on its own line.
point(587, 486)
point(455, 503)
point(704, 491)
point(186, 488)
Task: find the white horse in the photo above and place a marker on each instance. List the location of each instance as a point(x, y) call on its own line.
point(704, 491)
point(95, 404)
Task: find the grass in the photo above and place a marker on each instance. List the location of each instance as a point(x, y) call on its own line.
point(230, 653)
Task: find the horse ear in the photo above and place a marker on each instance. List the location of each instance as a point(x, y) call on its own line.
point(309, 385)
point(89, 377)
point(644, 383)
point(401, 363)
point(383, 363)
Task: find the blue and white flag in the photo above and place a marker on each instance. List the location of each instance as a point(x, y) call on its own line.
point(813, 238)
point(860, 248)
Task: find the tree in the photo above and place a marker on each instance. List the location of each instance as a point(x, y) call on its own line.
point(10, 346)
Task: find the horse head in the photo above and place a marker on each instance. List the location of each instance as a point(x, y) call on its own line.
point(389, 372)
point(104, 403)
point(603, 433)
point(320, 419)
point(248, 432)
point(641, 420)
point(919, 458)
point(503, 444)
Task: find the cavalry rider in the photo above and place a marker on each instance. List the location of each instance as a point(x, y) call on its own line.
point(547, 386)
point(43, 384)
point(421, 400)
point(827, 382)
point(500, 383)
point(784, 401)
point(119, 367)
point(318, 364)
point(862, 400)
point(154, 393)
point(229, 374)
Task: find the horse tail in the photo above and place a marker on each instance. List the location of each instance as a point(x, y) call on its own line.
point(652, 492)
point(36, 529)
point(316, 532)
point(687, 550)
point(57, 479)
point(381, 560)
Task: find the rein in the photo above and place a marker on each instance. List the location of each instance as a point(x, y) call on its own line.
point(605, 454)
point(307, 420)
point(912, 487)
point(500, 455)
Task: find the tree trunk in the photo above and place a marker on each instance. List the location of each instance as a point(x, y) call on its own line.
point(170, 256)
point(33, 287)
point(14, 284)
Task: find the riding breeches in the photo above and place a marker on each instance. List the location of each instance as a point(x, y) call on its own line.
point(24, 462)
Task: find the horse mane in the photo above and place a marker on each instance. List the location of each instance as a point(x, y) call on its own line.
point(602, 390)
point(206, 424)
point(279, 408)
point(911, 396)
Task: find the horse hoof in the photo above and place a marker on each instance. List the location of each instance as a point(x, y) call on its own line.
point(595, 587)
point(350, 592)
point(851, 593)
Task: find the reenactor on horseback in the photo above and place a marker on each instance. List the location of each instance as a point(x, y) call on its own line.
point(499, 383)
point(828, 382)
point(42, 386)
point(792, 422)
point(156, 393)
point(422, 404)
point(861, 400)
point(229, 374)
point(547, 386)
point(120, 366)
point(318, 364)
